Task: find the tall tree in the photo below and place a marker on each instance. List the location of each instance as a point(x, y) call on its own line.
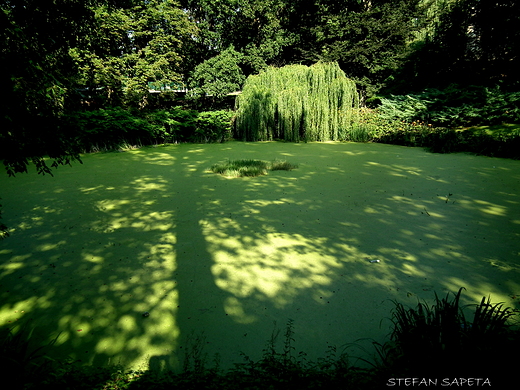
point(37, 79)
point(497, 29)
point(217, 77)
point(466, 42)
point(369, 39)
point(51, 50)
point(252, 27)
point(135, 42)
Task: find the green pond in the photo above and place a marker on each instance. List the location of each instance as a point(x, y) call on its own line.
point(223, 262)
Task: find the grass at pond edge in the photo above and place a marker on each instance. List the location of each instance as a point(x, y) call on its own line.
point(426, 341)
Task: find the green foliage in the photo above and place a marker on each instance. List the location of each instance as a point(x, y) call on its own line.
point(295, 103)
point(171, 126)
point(403, 108)
point(465, 42)
point(281, 165)
point(368, 39)
point(373, 126)
point(107, 129)
point(443, 140)
point(440, 341)
point(240, 168)
point(37, 79)
point(282, 369)
point(117, 128)
point(212, 126)
point(254, 28)
point(58, 52)
point(376, 127)
point(217, 76)
point(181, 125)
point(133, 43)
point(454, 106)
point(71, 375)
point(358, 133)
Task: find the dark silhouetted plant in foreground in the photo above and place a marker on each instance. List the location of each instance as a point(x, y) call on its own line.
point(439, 341)
point(21, 358)
point(4, 231)
point(434, 342)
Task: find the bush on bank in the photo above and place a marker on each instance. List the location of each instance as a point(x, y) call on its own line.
point(454, 106)
point(377, 127)
point(114, 128)
point(427, 119)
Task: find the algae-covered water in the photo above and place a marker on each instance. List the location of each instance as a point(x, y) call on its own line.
point(223, 262)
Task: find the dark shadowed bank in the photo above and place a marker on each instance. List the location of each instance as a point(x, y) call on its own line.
point(429, 346)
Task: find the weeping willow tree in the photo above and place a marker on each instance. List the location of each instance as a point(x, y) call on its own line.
point(297, 103)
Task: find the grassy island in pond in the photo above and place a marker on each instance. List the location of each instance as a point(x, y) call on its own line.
point(239, 168)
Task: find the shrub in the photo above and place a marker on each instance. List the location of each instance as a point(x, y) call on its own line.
point(107, 129)
point(358, 133)
point(180, 125)
point(454, 106)
point(116, 128)
point(380, 128)
point(172, 126)
point(213, 126)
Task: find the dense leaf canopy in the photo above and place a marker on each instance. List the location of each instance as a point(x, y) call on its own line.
point(59, 55)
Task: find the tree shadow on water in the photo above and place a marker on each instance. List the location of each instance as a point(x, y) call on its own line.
point(217, 262)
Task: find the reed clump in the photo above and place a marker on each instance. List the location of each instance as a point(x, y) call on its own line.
point(441, 340)
point(241, 168)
